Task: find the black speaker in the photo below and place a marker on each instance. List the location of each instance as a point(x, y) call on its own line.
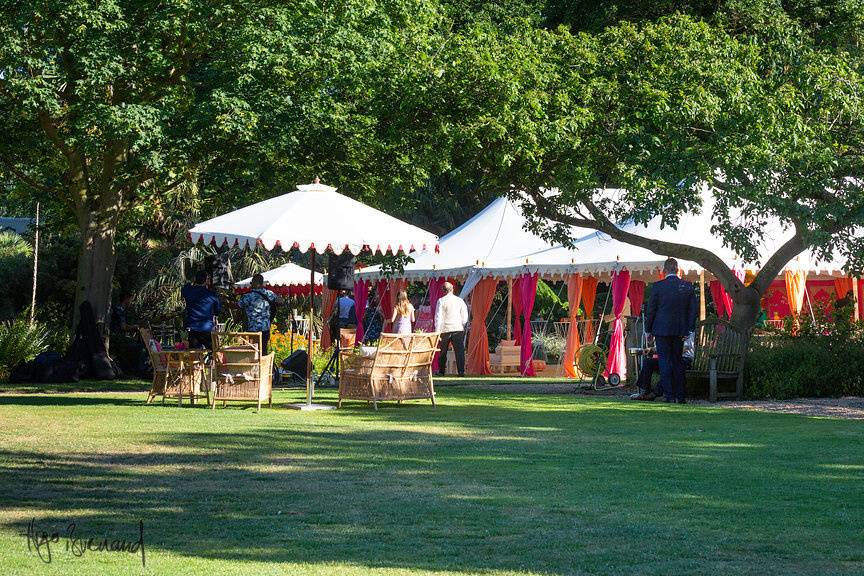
point(340, 271)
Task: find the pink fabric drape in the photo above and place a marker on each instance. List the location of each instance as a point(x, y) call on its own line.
point(527, 293)
point(517, 312)
point(436, 289)
point(636, 293)
point(722, 301)
point(616, 362)
point(385, 300)
point(361, 294)
point(477, 359)
point(574, 295)
point(328, 301)
point(589, 296)
point(720, 298)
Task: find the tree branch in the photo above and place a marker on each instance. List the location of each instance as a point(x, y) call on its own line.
point(601, 222)
point(27, 179)
point(777, 261)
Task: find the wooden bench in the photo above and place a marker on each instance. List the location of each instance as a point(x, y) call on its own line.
point(719, 354)
point(401, 369)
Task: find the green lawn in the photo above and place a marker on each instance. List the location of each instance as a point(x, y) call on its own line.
point(486, 482)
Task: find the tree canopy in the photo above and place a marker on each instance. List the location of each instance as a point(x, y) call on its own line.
point(138, 115)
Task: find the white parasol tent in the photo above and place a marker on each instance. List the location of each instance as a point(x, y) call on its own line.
point(289, 274)
point(317, 219)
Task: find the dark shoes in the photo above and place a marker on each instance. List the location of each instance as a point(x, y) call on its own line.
point(681, 401)
point(645, 396)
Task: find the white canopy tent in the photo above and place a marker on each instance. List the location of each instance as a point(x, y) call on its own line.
point(496, 233)
point(598, 254)
point(315, 219)
point(289, 274)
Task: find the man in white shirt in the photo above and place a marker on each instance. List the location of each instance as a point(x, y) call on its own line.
point(451, 316)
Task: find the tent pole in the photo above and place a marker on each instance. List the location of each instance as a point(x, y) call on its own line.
point(309, 350)
point(35, 268)
point(857, 297)
point(702, 295)
point(509, 308)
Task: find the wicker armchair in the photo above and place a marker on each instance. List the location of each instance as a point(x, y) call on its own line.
point(175, 373)
point(400, 370)
point(240, 373)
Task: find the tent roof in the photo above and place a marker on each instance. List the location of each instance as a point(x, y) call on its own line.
point(597, 254)
point(289, 274)
point(314, 217)
point(495, 233)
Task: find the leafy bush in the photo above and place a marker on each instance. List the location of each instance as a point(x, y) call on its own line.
point(16, 273)
point(825, 358)
point(548, 305)
point(20, 342)
point(553, 344)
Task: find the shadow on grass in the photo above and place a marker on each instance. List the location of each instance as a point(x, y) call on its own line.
point(543, 486)
point(64, 400)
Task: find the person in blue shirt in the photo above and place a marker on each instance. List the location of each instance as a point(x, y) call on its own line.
point(202, 305)
point(258, 303)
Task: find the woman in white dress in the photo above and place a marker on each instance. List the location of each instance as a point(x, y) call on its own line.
point(403, 314)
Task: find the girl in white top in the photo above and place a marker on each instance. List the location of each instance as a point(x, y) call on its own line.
point(403, 314)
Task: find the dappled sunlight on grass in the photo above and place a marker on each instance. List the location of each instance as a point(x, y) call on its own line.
point(483, 483)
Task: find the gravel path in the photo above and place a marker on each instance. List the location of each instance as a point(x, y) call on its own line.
point(849, 407)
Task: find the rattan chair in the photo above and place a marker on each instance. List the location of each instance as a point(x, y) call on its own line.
point(176, 373)
point(240, 373)
point(400, 370)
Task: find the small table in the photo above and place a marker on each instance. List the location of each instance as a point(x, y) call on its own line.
point(186, 372)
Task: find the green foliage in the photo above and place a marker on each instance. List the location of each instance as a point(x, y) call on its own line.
point(825, 358)
point(16, 273)
point(552, 344)
point(548, 304)
point(20, 342)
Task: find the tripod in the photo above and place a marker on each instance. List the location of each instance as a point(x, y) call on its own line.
point(331, 369)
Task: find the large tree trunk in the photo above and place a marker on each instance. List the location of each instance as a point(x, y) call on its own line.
point(96, 262)
point(746, 308)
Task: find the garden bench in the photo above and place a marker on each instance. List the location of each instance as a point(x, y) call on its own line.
point(401, 369)
point(719, 354)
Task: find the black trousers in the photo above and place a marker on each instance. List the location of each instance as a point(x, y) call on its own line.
point(650, 365)
point(265, 341)
point(670, 350)
point(458, 341)
point(200, 340)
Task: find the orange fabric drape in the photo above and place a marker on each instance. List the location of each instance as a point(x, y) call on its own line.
point(795, 289)
point(477, 360)
point(328, 302)
point(589, 294)
point(574, 296)
point(842, 286)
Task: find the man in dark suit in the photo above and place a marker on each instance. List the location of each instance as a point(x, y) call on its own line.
point(671, 317)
